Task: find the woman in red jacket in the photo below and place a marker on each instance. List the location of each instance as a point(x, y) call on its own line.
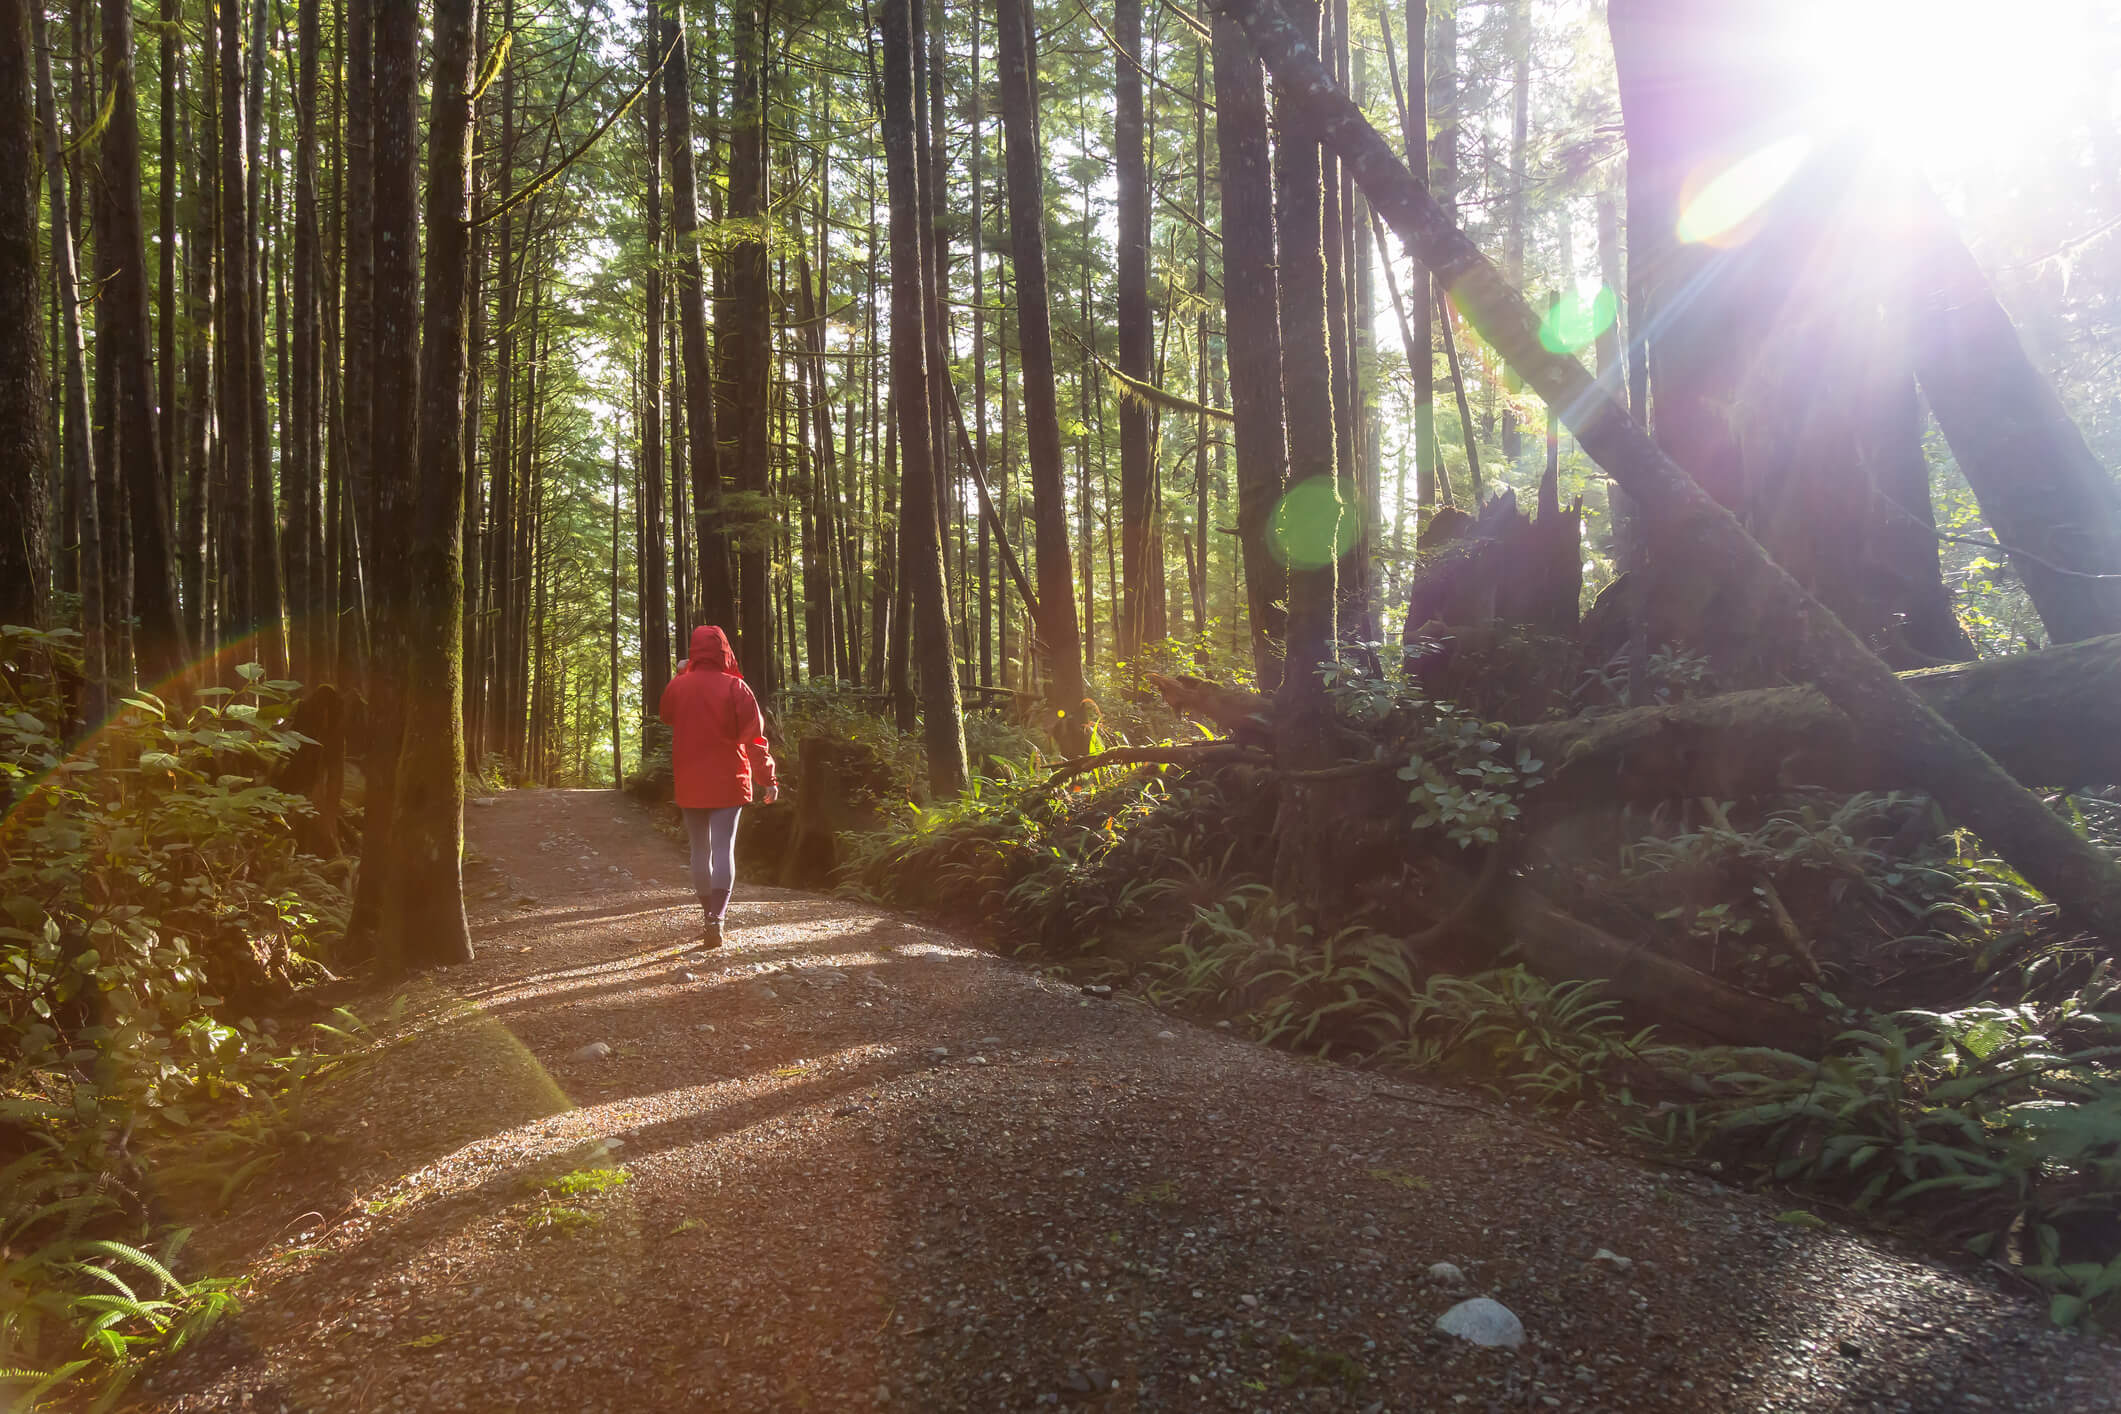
point(719, 759)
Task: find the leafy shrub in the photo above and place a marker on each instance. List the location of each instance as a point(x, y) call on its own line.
point(2000, 1125)
point(143, 873)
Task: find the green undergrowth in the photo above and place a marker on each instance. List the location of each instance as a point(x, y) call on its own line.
point(1988, 1112)
point(152, 900)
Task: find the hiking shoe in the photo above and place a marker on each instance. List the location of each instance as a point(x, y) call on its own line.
point(710, 934)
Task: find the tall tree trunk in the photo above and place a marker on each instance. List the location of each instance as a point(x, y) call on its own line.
point(235, 536)
point(1059, 634)
point(1251, 310)
point(357, 339)
point(270, 607)
point(25, 544)
point(1307, 524)
point(1520, 46)
point(656, 646)
point(744, 344)
point(943, 731)
point(159, 645)
point(618, 749)
point(426, 926)
point(396, 446)
point(78, 453)
point(1683, 522)
point(300, 457)
point(166, 254)
point(717, 595)
point(1137, 473)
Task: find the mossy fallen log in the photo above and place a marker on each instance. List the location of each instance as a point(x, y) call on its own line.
point(2052, 719)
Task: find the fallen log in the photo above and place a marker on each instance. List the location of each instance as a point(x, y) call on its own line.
point(1650, 984)
point(2051, 719)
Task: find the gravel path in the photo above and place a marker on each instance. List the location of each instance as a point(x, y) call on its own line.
point(873, 1167)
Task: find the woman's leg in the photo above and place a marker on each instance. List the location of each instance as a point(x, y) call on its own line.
point(721, 856)
point(698, 829)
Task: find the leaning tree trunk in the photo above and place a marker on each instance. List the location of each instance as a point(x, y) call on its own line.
point(425, 925)
point(919, 534)
point(1059, 630)
point(1686, 528)
point(1251, 314)
point(2050, 501)
point(1778, 376)
point(25, 548)
point(159, 643)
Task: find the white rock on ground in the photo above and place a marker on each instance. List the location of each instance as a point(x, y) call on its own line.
point(1446, 1273)
point(595, 1050)
point(1483, 1322)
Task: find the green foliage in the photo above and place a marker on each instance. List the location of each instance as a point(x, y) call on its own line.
point(1816, 868)
point(138, 869)
point(1998, 1124)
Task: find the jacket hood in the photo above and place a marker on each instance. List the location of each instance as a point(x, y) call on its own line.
point(710, 649)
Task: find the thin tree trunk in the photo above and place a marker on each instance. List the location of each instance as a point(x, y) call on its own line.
point(160, 648)
point(1059, 634)
point(300, 456)
point(78, 451)
point(1252, 312)
point(943, 721)
point(656, 637)
point(1137, 473)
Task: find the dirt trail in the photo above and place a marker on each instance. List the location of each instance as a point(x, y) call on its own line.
point(874, 1167)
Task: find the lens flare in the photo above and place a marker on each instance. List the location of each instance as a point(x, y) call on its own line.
point(1309, 530)
point(1574, 322)
point(1719, 211)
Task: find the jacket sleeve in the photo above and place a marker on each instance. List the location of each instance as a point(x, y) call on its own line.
point(751, 731)
point(662, 710)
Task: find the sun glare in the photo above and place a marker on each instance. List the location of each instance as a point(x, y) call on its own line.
point(1940, 82)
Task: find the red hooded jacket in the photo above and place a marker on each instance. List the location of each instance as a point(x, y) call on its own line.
point(718, 749)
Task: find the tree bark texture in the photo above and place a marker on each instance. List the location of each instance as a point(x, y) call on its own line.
point(943, 731)
point(396, 445)
point(1251, 312)
point(1686, 527)
point(744, 344)
point(1141, 602)
point(25, 544)
point(159, 645)
point(717, 595)
point(1059, 630)
point(425, 925)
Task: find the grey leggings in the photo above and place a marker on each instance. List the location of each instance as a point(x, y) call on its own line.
point(713, 835)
